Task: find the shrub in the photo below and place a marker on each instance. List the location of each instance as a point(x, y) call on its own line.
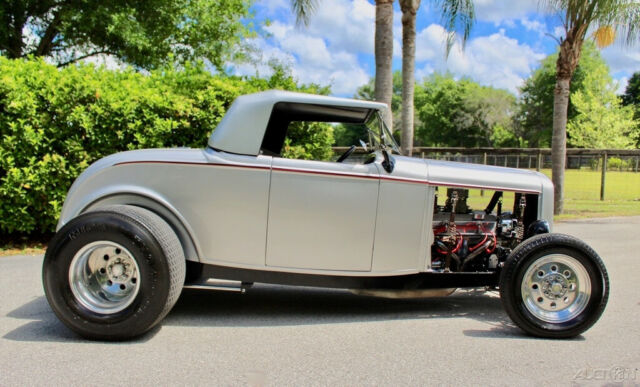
point(55, 122)
point(613, 164)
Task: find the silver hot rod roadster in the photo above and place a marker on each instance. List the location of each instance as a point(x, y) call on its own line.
point(137, 227)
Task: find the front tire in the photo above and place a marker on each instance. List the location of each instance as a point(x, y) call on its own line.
point(554, 286)
point(113, 273)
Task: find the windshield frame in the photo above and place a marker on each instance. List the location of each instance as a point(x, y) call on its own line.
point(381, 138)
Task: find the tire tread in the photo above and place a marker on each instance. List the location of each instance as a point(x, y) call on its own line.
point(169, 242)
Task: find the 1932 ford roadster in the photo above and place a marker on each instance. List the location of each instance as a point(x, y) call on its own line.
point(139, 226)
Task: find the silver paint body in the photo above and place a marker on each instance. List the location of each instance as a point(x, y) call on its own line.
point(269, 213)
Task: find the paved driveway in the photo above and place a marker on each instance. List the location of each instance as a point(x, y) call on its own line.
point(275, 335)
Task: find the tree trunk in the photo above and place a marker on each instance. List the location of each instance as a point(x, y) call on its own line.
point(384, 55)
point(568, 58)
point(15, 21)
point(559, 140)
point(46, 41)
point(409, 9)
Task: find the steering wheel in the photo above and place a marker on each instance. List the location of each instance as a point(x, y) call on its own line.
point(346, 154)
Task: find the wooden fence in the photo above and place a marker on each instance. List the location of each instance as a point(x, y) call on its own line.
point(538, 158)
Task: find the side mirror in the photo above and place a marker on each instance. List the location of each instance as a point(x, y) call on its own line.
point(388, 162)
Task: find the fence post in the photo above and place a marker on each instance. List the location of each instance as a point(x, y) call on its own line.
point(637, 159)
point(604, 174)
point(539, 166)
point(484, 161)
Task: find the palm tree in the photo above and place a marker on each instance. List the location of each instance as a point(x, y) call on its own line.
point(303, 10)
point(384, 55)
point(606, 17)
point(456, 15)
point(409, 9)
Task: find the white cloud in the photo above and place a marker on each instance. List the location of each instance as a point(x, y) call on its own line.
point(310, 50)
point(621, 58)
point(346, 25)
point(338, 45)
point(278, 29)
point(325, 52)
point(534, 25)
point(494, 60)
point(430, 42)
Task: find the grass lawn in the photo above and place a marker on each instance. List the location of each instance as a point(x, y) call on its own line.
point(582, 200)
point(582, 194)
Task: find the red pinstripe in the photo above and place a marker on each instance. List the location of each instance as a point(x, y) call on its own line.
point(312, 172)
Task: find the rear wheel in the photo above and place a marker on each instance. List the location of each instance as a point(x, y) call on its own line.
point(554, 285)
point(113, 273)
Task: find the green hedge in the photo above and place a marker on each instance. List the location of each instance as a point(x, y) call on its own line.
point(55, 122)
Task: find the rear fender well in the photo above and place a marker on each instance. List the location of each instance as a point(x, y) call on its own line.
point(164, 210)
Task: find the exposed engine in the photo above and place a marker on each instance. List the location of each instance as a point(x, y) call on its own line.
point(480, 240)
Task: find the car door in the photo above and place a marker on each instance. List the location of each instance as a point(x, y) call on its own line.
point(322, 215)
point(403, 223)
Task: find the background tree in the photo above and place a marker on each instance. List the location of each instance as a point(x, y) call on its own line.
point(601, 122)
point(535, 115)
point(457, 15)
point(631, 97)
point(631, 94)
point(605, 16)
point(464, 113)
point(146, 33)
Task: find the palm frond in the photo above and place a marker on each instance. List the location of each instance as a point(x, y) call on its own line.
point(458, 17)
point(610, 18)
point(626, 21)
point(304, 9)
point(604, 36)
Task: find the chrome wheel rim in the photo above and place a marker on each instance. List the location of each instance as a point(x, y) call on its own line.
point(556, 288)
point(104, 277)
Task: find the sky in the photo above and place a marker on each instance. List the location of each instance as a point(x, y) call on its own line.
point(507, 43)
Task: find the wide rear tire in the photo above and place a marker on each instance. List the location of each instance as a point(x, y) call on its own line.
point(554, 286)
point(113, 273)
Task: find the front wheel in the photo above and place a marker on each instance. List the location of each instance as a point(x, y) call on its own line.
point(554, 285)
point(113, 273)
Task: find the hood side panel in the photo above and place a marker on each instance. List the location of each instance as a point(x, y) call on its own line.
point(455, 174)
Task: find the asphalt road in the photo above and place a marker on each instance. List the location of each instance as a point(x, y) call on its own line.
point(275, 335)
